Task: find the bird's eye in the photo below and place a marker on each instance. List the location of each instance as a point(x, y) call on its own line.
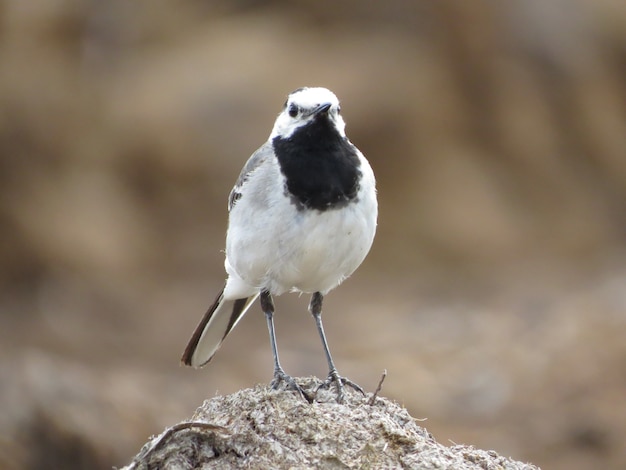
point(293, 110)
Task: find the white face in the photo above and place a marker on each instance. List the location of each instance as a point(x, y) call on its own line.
point(300, 107)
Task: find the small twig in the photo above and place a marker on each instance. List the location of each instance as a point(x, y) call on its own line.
point(379, 388)
point(181, 427)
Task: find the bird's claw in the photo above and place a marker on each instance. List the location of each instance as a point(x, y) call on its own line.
point(340, 382)
point(290, 384)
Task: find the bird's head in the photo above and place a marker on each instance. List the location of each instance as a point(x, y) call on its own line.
point(303, 107)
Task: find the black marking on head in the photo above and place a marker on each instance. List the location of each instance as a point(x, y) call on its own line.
point(297, 90)
point(320, 166)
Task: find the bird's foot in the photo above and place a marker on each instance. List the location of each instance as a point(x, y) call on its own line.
point(340, 382)
point(290, 384)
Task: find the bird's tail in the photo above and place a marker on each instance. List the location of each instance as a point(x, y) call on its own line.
point(217, 322)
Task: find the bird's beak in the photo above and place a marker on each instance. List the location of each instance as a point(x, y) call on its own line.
point(322, 108)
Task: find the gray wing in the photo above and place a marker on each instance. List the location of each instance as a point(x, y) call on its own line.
point(261, 155)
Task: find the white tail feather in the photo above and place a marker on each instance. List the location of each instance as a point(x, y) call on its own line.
point(218, 321)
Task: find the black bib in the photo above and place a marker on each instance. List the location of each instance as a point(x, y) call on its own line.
point(320, 166)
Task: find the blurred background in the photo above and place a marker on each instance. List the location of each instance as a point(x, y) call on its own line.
point(494, 295)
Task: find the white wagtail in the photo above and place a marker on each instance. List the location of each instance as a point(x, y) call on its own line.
point(302, 218)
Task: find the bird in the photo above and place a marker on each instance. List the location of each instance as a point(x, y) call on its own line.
point(302, 218)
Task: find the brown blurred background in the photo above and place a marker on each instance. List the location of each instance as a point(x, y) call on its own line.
point(495, 294)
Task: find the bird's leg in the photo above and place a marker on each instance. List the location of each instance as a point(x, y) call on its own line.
point(267, 304)
point(315, 307)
